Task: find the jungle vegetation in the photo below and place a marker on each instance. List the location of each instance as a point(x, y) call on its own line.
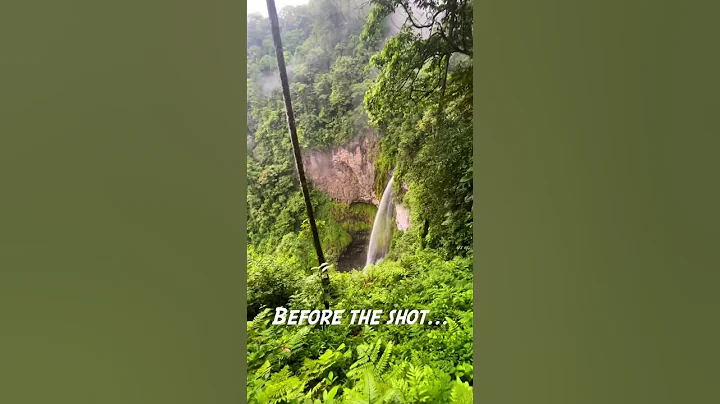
point(402, 68)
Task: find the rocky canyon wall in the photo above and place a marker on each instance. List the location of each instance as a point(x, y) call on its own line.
point(346, 172)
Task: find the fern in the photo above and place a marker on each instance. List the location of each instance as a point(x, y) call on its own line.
point(370, 386)
point(382, 363)
point(264, 371)
point(280, 388)
point(418, 386)
point(368, 359)
point(297, 339)
point(461, 393)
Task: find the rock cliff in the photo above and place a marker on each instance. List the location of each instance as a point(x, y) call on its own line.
point(402, 217)
point(345, 172)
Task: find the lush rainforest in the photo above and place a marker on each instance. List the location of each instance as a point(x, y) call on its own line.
point(403, 69)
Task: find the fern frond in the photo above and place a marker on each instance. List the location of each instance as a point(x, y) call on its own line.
point(461, 393)
point(360, 369)
point(393, 395)
point(370, 387)
point(382, 363)
point(375, 350)
point(264, 371)
point(298, 339)
point(452, 325)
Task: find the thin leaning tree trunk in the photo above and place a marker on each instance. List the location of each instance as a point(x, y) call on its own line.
point(443, 86)
point(275, 27)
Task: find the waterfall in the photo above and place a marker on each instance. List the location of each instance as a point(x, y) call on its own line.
point(382, 227)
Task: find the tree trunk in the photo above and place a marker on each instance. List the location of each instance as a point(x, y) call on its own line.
point(275, 27)
point(443, 86)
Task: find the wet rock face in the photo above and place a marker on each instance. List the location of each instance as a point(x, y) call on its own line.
point(346, 173)
point(402, 217)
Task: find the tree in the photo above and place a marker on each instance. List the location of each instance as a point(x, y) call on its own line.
point(422, 102)
point(275, 28)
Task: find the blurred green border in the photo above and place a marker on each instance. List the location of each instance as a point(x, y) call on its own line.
point(596, 214)
point(122, 208)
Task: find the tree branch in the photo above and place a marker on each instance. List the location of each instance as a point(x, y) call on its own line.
point(412, 20)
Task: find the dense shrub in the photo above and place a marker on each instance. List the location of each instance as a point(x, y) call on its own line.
point(415, 363)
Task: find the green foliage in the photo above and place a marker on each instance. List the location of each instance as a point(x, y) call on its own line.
point(415, 88)
point(277, 268)
point(384, 363)
point(421, 101)
point(417, 91)
point(326, 63)
point(271, 280)
point(354, 217)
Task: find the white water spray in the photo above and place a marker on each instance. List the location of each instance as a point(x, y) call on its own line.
point(382, 227)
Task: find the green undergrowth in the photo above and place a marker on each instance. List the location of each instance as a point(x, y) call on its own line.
point(371, 364)
point(275, 270)
point(354, 217)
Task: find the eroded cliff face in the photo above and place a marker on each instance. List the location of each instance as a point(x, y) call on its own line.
point(346, 173)
point(402, 217)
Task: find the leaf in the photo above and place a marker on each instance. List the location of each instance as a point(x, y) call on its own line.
point(331, 394)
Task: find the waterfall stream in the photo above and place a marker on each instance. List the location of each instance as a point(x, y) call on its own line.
point(382, 227)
